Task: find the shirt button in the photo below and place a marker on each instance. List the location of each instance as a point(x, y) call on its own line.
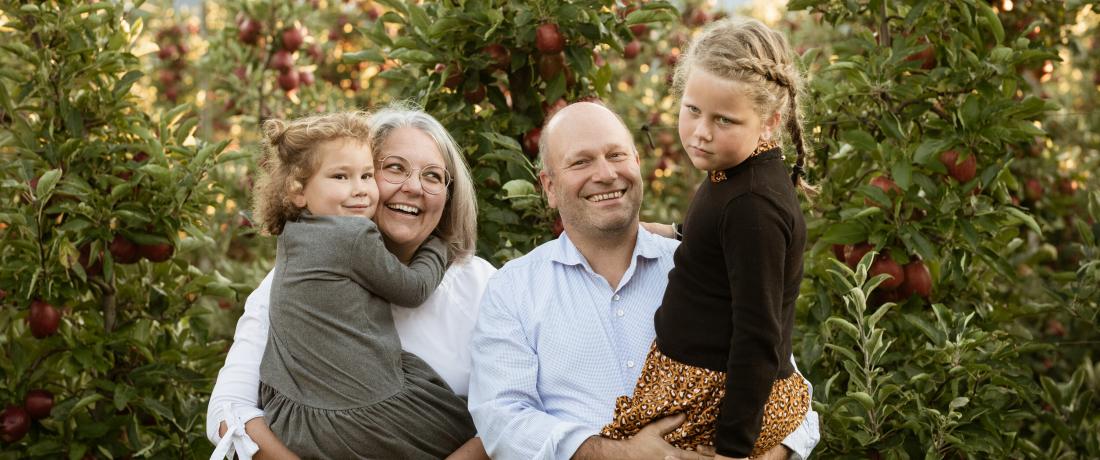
point(617, 297)
point(630, 364)
point(620, 313)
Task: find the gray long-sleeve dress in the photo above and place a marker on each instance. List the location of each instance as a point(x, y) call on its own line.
point(334, 382)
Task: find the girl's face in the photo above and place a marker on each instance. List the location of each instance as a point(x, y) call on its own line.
point(343, 184)
point(719, 126)
point(408, 213)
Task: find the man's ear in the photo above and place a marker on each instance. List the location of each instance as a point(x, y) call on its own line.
point(547, 181)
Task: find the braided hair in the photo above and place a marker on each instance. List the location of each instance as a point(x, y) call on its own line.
point(747, 51)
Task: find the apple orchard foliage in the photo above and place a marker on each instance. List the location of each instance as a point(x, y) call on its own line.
point(101, 347)
point(919, 109)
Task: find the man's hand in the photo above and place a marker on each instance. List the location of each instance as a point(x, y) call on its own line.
point(648, 444)
point(665, 230)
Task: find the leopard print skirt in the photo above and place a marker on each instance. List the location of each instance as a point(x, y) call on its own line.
point(668, 387)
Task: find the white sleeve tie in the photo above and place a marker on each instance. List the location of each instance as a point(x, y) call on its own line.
point(235, 439)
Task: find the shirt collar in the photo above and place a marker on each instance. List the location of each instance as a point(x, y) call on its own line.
point(565, 252)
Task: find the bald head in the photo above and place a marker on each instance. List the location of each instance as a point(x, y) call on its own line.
point(579, 118)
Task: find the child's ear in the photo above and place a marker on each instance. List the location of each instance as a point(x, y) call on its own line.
point(298, 199)
point(771, 125)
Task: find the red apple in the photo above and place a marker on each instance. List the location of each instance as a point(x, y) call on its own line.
point(90, 268)
point(14, 424)
point(123, 250)
point(453, 74)
point(159, 252)
point(839, 251)
point(548, 39)
point(558, 226)
point(38, 403)
point(373, 13)
point(1055, 328)
point(550, 65)
point(288, 81)
point(632, 49)
point(883, 264)
point(498, 57)
point(292, 39)
point(963, 171)
point(918, 280)
point(855, 253)
point(550, 108)
point(43, 318)
point(249, 31)
point(171, 93)
point(639, 30)
point(475, 95)
point(926, 57)
point(282, 60)
point(697, 17)
point(531, 142)
point(168, 53)
point(1034, 189)
point(305, 77)
point(225, 304)
point(886, 185)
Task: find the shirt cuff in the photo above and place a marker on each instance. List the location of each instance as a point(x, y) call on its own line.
point(572, 441)
point(803, 440)
point(236, 439)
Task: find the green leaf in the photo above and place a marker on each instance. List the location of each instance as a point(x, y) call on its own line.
point(519, 188)
point(1024, 218)
point(122, 86)
point(844, 326)
point(412, 55)
point(992, 20)
point(929, 147)
point(845, 233)
point(46, 183)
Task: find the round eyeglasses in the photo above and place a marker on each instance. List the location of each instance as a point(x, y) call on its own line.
point(396, 170)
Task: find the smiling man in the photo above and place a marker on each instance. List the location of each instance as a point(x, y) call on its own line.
point(565, 330)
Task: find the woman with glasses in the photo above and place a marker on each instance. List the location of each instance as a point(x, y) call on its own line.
point(424, 188)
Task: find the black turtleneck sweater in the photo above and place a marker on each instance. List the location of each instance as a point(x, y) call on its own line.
point(729, 305)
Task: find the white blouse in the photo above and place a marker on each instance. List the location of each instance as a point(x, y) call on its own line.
point(438, 332)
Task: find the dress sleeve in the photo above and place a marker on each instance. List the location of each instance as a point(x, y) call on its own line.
point(383, 274)
point(754, 244)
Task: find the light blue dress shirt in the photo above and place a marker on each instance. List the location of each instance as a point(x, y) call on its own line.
point(555, 344)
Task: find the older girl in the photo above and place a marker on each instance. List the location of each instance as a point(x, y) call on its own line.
point(724, 327)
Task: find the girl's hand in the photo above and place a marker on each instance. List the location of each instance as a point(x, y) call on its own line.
point(665, 230)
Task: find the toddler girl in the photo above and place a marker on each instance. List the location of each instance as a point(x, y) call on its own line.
point(724, 327)
point(334, 382)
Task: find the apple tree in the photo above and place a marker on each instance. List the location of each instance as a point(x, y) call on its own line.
point(913, 324)
point(104, 348)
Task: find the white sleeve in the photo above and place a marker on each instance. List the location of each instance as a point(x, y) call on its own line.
point(237, 387)
point(802, 441)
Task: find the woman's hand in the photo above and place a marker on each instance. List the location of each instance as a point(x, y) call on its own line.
point(665, 230)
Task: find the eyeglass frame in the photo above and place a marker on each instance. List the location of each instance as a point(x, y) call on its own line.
point(447, 179)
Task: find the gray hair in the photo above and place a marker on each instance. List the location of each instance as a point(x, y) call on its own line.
point(458, 224)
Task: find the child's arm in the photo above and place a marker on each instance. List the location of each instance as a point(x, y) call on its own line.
point(754, 236)
point(382, 273)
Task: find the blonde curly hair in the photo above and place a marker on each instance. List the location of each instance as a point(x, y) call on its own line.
point(289, 158)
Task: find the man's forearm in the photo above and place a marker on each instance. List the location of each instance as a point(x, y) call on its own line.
point(596, 448)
